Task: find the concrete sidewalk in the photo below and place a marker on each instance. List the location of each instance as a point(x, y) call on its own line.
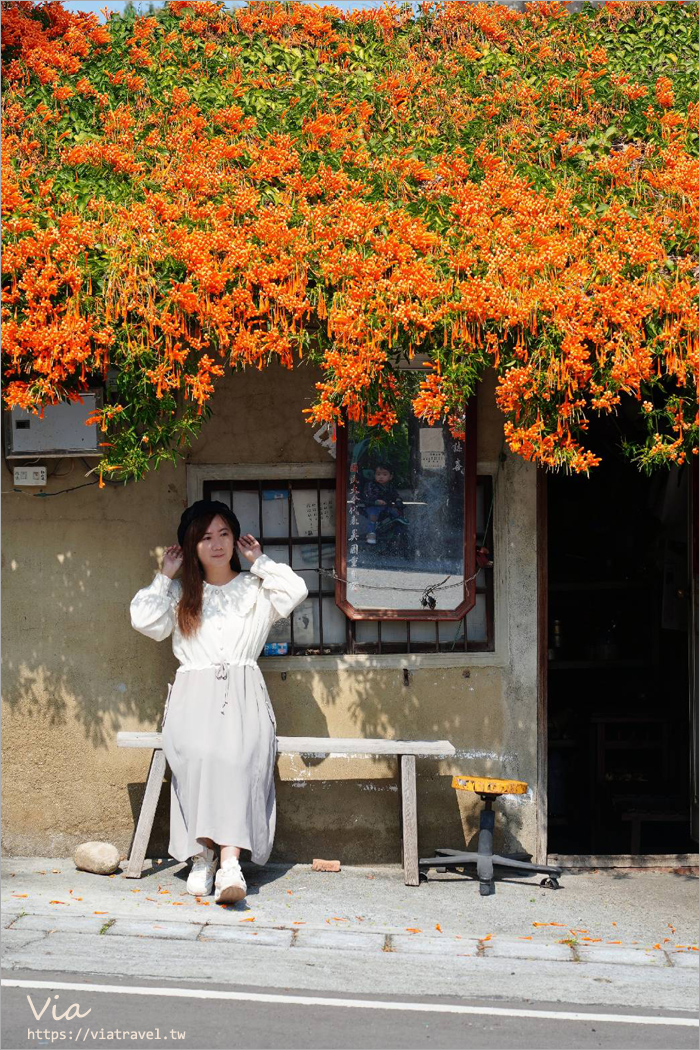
point(636, 931)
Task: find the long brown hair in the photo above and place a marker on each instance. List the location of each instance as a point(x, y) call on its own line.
point(189, 612)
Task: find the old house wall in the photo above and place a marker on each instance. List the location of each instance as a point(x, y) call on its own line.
point(75, 672)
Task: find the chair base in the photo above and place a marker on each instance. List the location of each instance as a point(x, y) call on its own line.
point(485, 860)
point(485, 863)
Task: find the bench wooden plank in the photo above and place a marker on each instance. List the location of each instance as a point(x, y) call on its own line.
point(321, 745)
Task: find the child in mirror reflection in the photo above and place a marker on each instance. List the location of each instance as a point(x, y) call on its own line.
point(381, 501)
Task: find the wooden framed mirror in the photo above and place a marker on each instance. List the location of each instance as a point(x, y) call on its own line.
point(406, 521)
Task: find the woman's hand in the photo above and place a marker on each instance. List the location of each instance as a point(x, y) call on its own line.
point(249, 547)
point(172, 560)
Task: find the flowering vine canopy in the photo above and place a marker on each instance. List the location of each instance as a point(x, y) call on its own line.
point(490, 187)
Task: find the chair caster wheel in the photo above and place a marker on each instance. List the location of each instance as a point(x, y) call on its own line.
point(551, 882)
point(422, 877)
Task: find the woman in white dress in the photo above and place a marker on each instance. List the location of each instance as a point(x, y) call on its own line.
point(219, 729)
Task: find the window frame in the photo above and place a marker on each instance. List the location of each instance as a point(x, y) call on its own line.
point(493, 653)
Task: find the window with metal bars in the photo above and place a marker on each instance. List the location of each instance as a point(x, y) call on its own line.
point(294, 520)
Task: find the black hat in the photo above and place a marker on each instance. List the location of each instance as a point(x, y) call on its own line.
point(207, 506)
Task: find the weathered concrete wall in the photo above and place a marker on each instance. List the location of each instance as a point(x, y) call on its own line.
point(74, 671)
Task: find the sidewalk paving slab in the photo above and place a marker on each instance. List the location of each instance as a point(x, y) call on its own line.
point(266, 937)
point(344, 940)
point(159, 930)
point(415, 944)
point(500, 949)
point(600, 954)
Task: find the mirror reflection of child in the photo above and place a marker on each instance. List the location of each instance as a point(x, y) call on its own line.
point(381, 499)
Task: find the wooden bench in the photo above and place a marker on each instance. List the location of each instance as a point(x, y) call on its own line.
point(405, 750)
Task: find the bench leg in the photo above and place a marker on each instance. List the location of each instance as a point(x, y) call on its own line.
point(409, 820)
point(147, 815)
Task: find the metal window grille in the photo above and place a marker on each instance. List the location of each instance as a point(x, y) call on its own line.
point(294, 521)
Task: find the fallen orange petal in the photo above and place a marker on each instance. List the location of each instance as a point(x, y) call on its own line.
point(57, 902)
point(100, 913)
point(529, 938)
point(438, 927)
point(413, 929)
point(251, 918)
point(20, 894)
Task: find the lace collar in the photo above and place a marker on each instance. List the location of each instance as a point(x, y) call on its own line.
point(216, 587)
point(239, 594)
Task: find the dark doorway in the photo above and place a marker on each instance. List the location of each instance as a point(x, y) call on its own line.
point(619, 604)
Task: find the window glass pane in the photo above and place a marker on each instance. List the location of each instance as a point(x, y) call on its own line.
point(333, 624)
point(310, 578)
point(305, 512)
point(277, 553)
point(366, 630)
point(452, 631)
point(305, 555)
point(275, 508)
point(279, 632)
point(422, 631)
point(221, 495)
point(394, 631)
point(245, 507)
point(305, 618)
point(476, 621)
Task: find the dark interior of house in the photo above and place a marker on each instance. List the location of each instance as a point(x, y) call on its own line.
point(619, 708)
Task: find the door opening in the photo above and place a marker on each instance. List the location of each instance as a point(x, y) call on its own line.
point(618, 683)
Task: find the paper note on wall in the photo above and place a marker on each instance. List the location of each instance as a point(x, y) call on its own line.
point(432, 460)
point(431, 439)
point(431, 443)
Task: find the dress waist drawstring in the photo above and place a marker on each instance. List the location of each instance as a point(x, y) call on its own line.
point(221, 671)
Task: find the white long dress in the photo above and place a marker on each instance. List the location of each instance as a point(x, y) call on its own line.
point(219, 733)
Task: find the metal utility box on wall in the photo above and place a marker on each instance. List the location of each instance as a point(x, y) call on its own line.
point(62, 431)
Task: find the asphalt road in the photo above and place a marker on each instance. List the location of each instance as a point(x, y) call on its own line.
point(42, 1009)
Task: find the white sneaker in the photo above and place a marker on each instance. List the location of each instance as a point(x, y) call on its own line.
point(230, 884)
point(201, 878)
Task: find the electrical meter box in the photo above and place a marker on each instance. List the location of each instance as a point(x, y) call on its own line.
point(62, 431)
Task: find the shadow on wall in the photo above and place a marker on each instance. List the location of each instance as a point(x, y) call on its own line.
point(71, 655)
point(356, 818)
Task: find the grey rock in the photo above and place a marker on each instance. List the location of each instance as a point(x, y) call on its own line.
point(100, 858)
